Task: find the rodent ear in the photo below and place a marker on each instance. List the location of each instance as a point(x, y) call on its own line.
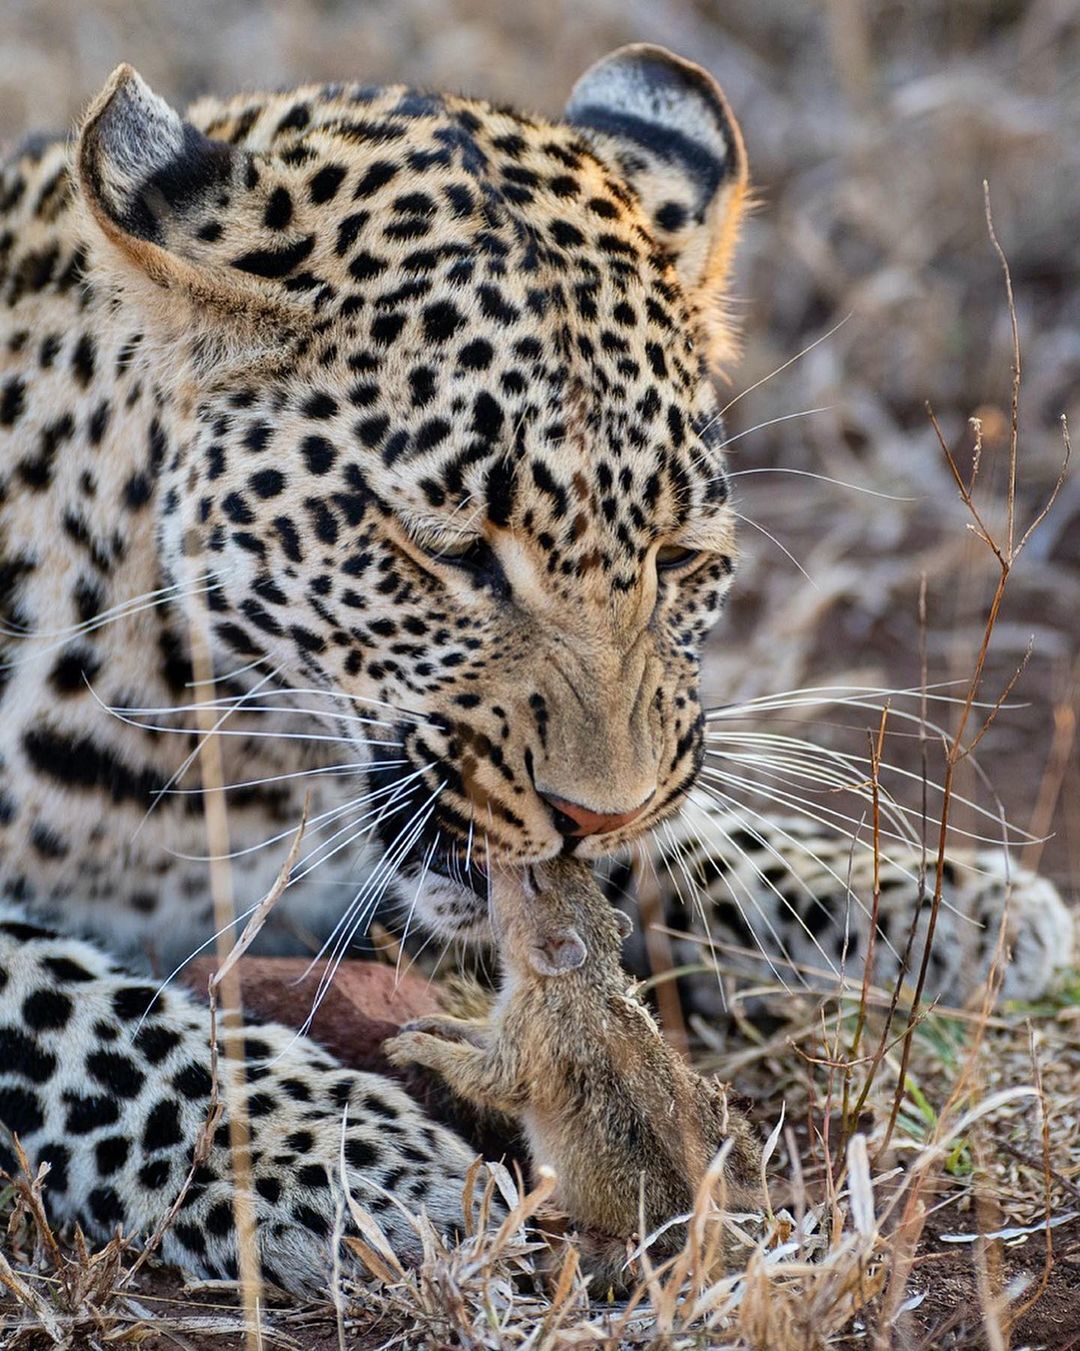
point(624, 924)
point(154, 185)
point(561, 951)
point(666, 127)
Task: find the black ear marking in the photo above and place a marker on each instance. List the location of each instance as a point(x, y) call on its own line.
point(664, 126)
point(141, 165)
point(645, 96)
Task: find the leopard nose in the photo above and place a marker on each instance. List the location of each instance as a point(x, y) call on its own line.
point(574, 820)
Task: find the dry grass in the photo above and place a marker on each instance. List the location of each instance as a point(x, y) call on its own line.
point(911, 1136)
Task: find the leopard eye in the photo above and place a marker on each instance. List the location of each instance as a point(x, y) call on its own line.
point(671, 557)
point(465, 551)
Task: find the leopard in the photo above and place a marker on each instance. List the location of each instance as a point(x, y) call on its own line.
point(362, 484)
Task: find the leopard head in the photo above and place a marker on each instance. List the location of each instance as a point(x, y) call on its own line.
point(443, 438)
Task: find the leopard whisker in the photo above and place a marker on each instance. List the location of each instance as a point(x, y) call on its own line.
point(447, 945)
point(188, 761)
point(398, 973)
point(698, 903)
point(740, 806)
point(392, 792)
point(251, 733)
point(241, 703)
point(134, 605)
point(828, 777)
point(737, 808)
point(920, 722)
point(291, 692)
point(222, 677)
point(208, 942)
point(728, 879)
point(855, 761)
point(769, 422)
point(347, 697)
point(367, 899)
point(824, 337)
point(813, 810)
point(316, 823)
point(342, 770)
point(837, 694)
point(469, 845)
point(784, 901)
point(824, 478)
point(782, 547)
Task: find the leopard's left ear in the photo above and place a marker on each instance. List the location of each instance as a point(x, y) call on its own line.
point(663, 123)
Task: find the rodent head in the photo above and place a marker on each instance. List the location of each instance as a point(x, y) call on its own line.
point(552, 919)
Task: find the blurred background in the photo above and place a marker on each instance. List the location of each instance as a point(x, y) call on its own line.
point(870, 126)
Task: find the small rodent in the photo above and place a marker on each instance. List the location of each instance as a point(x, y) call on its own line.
point(571, 1052)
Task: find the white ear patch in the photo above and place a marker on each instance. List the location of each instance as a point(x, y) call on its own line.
point(129, 135)
point(646, 98)
point(663, 125)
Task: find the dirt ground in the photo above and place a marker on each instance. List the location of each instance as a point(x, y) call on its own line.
point(870, 130)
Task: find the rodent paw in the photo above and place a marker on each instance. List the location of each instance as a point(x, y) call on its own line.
point(447, 1028)
point(407, 1048)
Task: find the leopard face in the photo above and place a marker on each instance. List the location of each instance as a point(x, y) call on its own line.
point(441, 438)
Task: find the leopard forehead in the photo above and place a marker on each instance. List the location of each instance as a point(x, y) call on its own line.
point(479, 312)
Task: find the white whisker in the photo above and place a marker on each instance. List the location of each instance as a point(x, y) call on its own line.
point(789, 362)
point(785, 903)
point(728, 878)
point(392, 792)
point(699, 903)
point(772, 827)
point(243, 703)
point(367, 898)
point(188, 760)
point(232, 924)
point(398, 973)
point(342, 771)
point(782, 547)
point(811, 695)
point(134, 605)
point(769, 422)
point(855, 762)
point(824, 478)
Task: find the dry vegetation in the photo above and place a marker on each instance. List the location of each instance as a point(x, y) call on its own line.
point(924, 1178)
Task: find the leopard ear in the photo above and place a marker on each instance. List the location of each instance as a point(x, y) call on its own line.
point(152, 183)
point(664, 124)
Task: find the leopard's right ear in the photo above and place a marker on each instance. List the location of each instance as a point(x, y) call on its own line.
point(664, 125)
point(154, 184)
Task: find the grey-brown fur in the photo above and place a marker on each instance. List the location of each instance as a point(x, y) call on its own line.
point(572, 1053)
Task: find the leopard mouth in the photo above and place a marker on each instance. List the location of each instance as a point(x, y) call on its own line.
point(422, 833)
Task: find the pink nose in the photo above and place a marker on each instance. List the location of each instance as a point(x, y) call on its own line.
point(572, 819)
